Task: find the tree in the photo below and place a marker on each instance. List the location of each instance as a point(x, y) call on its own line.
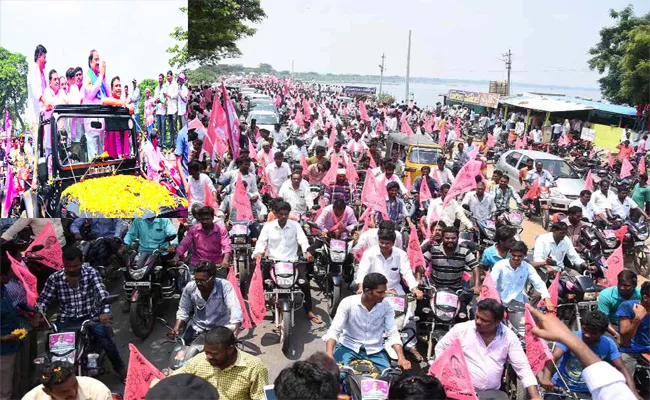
point(179, 50)
point(215, 25)
point(13, 84)
point(608, 54)
point(636, 62)
point(266, 68)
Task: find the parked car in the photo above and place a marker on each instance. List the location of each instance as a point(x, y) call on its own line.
point(265, 119)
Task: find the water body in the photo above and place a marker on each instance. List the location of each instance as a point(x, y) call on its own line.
point(426, 94)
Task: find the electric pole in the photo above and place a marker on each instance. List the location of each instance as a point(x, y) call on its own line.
point(408, 69)
point(508, 61)
point(381, 73)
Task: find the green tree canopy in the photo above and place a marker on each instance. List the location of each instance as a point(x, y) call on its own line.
point(609, 54)
point(179, 50)
point(13, 84)
point(143, 85)
point(215, 25)
point(636, 62)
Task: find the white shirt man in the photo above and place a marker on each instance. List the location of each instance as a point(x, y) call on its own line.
point(36, 85)
point(93, 94)
point(278, 174)
point(537, 135)
point(135, 99)
point(300, 199)
point(395, 268)
point(519, 128)
point(498, 130)
point(545, 246)
point(370, 239)
point(621, 208)
point(182, 104)
point(281, 244)
point(322, 141)
point(250, 179)
point(481, 209)
point(444, 176)
point(279, 137)
point(172, 100)
point(448, 214)
point(197, 188)
point(587, 210)
point(600, 202)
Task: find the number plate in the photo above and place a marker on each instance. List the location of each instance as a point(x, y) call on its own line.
point(446, 299)
point(147, 284)
point(282, 290)
point(283, 268)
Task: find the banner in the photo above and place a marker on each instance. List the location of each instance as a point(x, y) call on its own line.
point(588, 134)
point(490, 100)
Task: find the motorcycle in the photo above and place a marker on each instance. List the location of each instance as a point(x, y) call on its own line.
point(404, 307)
point(482, 235)
point(513, 219)
point(540, 206)
point(182, 352)
point(283, 295)
point(242, 250)
point(158, 280)
point(76, 345)
point(577, 296)
point(330, 271)
point(363, 381)
point(100, 254)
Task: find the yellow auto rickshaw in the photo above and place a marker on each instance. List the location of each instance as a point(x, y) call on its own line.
point(416, 151)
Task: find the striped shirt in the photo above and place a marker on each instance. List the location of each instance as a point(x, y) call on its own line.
point(447, 270)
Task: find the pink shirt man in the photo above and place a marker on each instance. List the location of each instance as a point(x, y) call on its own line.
point(207, 245)
point(327, 220)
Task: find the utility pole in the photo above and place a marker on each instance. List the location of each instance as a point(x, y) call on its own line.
point(408, 68)
point(381, 74)
point(508, 62)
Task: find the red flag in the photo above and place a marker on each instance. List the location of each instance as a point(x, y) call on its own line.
point(610, 160)
point(362, 111)
point(642, 168)
point(621, 232)
point(303, 163)
point(425, 192)
point(233, 128)
point(26, 278)
point(465, 180)
point(489, 289)
point(409, 183)
point(330, 176)
point(414, 251)
point(256, 300)
point(614, 266)
point(240, 204)
point(537, 350)
point(534, 190)
point(626, 168)
point(553, 290)
point(51, 254)
point(589, 181)
point(246, 323)
point(208, 199)
point(450, 368)
point(140, 375)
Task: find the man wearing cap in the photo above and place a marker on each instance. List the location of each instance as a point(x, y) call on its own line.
point(183, 94)
point(135, 99)
point(266, 156)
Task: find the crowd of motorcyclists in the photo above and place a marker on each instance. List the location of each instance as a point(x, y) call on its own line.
point(305, 181)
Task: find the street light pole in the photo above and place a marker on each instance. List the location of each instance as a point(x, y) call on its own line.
point(381, 73)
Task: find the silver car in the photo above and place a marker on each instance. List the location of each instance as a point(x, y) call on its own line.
point(567, 183)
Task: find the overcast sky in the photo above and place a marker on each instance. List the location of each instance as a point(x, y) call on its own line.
point(450, 39)
point(131, 36)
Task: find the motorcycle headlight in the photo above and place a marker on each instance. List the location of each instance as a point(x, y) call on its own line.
point(284, 282)
point(642, 235)
point(137, 274)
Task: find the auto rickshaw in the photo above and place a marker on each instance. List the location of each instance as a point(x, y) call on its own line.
point(416, 151)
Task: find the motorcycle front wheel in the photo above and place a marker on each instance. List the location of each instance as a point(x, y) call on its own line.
point(546, 218)
point(641, 262)
point(333, 299)
point(141, 317)
point(285, 331)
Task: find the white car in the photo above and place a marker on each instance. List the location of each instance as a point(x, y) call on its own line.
point(264, 119)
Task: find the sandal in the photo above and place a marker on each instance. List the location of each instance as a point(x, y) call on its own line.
point(316, 319)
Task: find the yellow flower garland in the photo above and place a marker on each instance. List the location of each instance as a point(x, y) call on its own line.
point(21, 333)
point(121, 196)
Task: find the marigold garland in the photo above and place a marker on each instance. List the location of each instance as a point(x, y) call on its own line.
point(121, 196)
point(21, 333)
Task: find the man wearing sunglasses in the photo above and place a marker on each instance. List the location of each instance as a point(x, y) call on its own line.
point(213, 302)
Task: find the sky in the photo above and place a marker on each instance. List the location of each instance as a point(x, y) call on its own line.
point(462, 39)
point(131, 36)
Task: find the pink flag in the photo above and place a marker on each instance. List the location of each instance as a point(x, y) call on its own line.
point(465, 180)
point(425, 192)
point(217, 128)
point(351, 174)
point(246, 324)
point(26, 278)
point(298, 119)
point(442, 139)
point(379, 128)
point(472, 154)
point(614, 266)
point(303, 163)
point(222, 147)
point(414, 251)
point(428, 125)
point(534, 190)
point(626, 168)
point(621, 232)
point(491, 140)
point(305, 108)
point(459, 133)
point(553, 290)
point(564, 140)
point(537, 350)
point(519, 145)
point(642, 168)
point(372, 163)
point(450, 368)
point(409, 183)
point(331, 139)
point(8, 131)
point(278, 101)
point(139, 375)
point(51, 253)
point(610, 160)
point(589, 181)
point(10, 187)
point(362, 111)
point(405, 127)
point(269, 187)
point(373, 196)
point(364, 218)
point(252, 151)
point(256, 300)
point(330, 176)
point(240, 204)
point(489, 289)
point(233, 127)
point(436, 176)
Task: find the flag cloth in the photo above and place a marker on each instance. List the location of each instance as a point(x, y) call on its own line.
point(208, 198)
point(614, 266)
point(372, 164)
point(425, 192)
point(373, 196)
point(303, 163)
point(51, 254)
point(351, 174)
point(537, 350)
point(534, 190)
point(610, 160)
point(642, 168)
point(330, 176)
point(246, 323)
point(362, 111)
point(298, 119)
point(442, 138)
point(589, 181)
point(233, 121)
point(465, 180)
point(305, 108)
point(491, 140)
point(564, 140)
point(626, 168)
point(405, 127)
point(217, 128)
point(621, 232)
point(408, 184)
point(553, 290)
point(414, 251)
point(140, 375)
point(10, 188)
point(240, 204)
point(472, 154)
point(256, 300)
point(519, 145)
point(450, 368)
point(489, 289)
point(26, 278)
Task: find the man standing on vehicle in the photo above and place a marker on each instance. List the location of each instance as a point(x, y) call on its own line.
point(209, 241)
point(279, 240)
point(210, 300)
point(96, 89)
point(79, 290)
point(488, 346)
point(361, 321)
point(161, 108)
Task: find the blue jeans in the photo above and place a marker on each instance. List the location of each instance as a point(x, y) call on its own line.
point(101, 333)
point(149, 129)
point(344, 355)
point(160, 123)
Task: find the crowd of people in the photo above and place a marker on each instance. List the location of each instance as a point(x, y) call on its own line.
point(324, 172)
